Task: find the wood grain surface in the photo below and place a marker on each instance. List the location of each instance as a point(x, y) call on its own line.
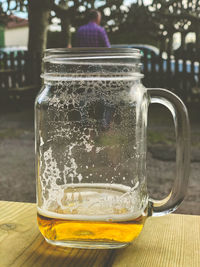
point(171, 241)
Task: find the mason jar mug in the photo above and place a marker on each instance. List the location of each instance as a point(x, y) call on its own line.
point(90, 128)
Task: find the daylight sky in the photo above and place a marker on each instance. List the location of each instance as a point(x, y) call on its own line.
point(126, 2)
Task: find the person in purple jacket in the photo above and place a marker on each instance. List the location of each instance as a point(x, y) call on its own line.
point(92, 34)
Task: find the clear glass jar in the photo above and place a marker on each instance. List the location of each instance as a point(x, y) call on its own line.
point(90, 128)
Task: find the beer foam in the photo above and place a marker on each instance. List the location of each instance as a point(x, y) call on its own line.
point(94, 218)
point(98, 202)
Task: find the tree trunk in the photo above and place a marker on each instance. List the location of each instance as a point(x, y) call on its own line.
point(162, 44)
point(170, 44)
point(183, 44)
point(65, 25)
point(38, 15)
point(65, 32)
point(92, 4)
point(197, 33)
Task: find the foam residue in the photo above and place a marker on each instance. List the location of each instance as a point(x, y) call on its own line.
point(89, 137)
point(96, 202)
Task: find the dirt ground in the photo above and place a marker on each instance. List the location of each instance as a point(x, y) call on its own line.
point(17, 176)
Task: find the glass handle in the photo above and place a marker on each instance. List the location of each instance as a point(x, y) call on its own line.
point(182, 131)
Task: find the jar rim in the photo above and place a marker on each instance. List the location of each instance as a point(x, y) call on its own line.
point(92, 52)
point(70, 63)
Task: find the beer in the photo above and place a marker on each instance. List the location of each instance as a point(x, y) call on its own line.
point(67, 230)
point(92, 214)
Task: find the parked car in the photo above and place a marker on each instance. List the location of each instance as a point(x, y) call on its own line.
point(148, 49)
point(176, 73)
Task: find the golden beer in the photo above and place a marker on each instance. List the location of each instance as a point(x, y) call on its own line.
point(96, 215)
point(67, 230)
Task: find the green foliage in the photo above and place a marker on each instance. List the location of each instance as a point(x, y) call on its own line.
point(14, 5)
point(124, 24)
point(137, 28)
point(1, 36)
point(175, 16)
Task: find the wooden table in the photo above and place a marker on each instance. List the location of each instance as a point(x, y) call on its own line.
point(172, 240)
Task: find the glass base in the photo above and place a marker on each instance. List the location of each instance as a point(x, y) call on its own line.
point(87, 245)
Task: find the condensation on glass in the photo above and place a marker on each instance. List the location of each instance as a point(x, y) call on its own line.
point(90, 128)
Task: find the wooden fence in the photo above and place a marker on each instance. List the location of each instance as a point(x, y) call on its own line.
point(16, 78)
point(180, 74)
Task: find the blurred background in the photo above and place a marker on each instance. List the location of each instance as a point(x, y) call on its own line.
point(168, 35)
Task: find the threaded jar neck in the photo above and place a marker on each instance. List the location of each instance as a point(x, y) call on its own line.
point(91, 62)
